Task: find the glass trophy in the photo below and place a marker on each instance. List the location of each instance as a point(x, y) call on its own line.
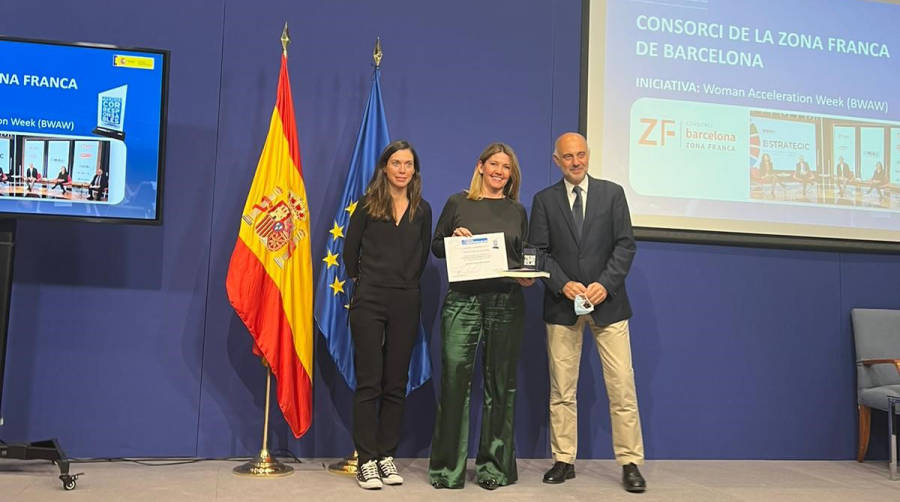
point(111, 113)
point(529, 258)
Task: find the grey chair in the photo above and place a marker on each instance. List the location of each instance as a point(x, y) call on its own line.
point(876, 333)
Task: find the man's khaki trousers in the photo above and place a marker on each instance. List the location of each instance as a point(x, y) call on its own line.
point(564, 354)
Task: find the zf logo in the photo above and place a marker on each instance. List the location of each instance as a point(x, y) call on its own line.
point(665, 131)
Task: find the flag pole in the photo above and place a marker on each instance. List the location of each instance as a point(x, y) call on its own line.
point(350, 462)
point(265, 465)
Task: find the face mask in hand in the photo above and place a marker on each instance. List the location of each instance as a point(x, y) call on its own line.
point(583, 305)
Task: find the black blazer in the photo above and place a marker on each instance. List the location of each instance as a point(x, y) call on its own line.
point(99, 181)
point(603, 253)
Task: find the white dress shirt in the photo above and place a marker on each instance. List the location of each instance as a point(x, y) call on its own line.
point(571, 193)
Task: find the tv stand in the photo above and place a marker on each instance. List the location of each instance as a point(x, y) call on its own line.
point(43, 450)
point(40, 450)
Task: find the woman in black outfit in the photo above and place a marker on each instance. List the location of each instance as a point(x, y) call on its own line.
point(879, 181)
point(767, 171)
point(385, 251)
point(61, 179)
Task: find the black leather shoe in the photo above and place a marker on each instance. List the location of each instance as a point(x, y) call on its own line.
point(632, 479)
point(489, 484)
point(560, 472)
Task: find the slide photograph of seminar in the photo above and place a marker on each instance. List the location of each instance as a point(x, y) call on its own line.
point(58, 168)
point(846, 174)
point(543, 250)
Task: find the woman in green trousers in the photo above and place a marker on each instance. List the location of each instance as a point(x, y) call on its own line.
point(488, 310)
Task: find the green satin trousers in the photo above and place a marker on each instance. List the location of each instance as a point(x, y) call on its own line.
point(466, 319)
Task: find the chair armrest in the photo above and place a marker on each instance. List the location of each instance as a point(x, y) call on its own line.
point(870, 362)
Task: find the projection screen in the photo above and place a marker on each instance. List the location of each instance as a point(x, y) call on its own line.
point(767, 122)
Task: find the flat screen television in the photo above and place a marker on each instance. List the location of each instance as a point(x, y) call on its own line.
point(82, 130)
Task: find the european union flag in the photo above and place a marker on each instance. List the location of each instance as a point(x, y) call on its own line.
point(334, 289)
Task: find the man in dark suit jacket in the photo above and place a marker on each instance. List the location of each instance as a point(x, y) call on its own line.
point(583, 228)
point(803, 174)
point(844, 175)
point(98, 183)
point(31, 175)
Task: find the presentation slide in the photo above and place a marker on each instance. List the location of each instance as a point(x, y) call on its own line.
point(69, 146)
point(776, 118)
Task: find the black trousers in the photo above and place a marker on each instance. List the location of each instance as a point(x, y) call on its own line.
point(384, 323)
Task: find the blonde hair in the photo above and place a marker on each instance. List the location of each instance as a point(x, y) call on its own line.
point(511, 190)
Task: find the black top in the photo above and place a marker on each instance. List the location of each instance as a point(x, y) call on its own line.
point(381, 253)
point(481, 217)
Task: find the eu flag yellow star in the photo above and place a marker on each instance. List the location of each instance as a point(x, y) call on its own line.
point(337, 286)
point(331, 259)
point(351, 207)
point(337, 231)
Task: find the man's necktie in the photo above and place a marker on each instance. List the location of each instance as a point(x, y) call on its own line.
point(578, 210)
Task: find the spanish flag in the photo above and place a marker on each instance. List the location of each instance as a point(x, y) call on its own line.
point(269, 279)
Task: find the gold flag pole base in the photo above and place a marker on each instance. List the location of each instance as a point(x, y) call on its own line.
point(263, 466)
point(346, 466)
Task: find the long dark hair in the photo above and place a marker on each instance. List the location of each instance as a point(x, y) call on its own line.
point(378, 194)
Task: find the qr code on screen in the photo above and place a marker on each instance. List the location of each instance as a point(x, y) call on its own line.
point(111, 111)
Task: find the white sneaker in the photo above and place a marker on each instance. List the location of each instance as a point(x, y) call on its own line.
point(367, 476)
point(388, 471)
